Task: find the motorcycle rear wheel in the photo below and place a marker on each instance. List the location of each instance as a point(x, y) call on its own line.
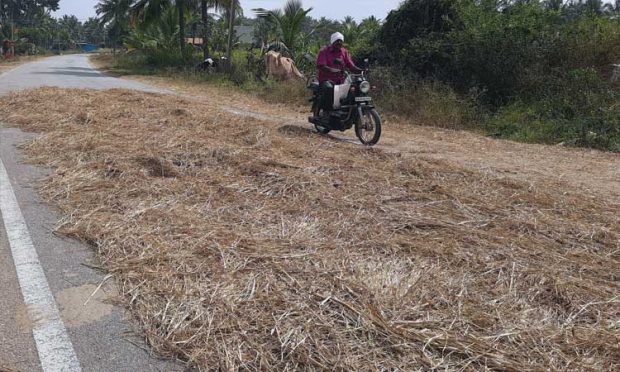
point(368, 127)
point(317, 111)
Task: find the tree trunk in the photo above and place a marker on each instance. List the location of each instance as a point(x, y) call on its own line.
point(181, 7)
point(231, 25)
point(205, 29)
point(114, 41)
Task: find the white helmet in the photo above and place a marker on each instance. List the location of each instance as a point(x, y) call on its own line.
point(336, 36)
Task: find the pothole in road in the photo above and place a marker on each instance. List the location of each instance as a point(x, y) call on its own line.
point(77, 307)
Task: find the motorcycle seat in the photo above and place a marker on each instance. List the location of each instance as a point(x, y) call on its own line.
point(314, 86)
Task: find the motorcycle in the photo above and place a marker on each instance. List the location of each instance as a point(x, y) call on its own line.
point(352, 106)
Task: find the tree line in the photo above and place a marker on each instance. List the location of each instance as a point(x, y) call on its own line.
point(31, 25)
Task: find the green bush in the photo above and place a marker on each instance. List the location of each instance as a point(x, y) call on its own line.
point(413, 37)
point(495, 51)
point(581, 110)
point(541, 70)
point(29, 49)
point(423, 101)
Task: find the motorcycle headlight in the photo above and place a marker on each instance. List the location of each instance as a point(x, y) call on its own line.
point(365, 87)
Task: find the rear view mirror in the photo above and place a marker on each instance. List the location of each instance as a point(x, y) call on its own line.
point(309, 57)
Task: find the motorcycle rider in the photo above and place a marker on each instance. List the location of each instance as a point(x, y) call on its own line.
point(331, 62)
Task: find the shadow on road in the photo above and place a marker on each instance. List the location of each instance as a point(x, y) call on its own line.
point(69, 73)
point(73, 68)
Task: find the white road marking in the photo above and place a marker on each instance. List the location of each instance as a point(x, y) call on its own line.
point(53, 344)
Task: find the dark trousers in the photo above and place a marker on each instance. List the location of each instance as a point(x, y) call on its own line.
point(327, 94)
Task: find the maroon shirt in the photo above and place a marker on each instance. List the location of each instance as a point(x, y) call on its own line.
point(327, 56)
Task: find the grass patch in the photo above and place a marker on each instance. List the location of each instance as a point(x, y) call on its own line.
point(576, 109)
point(294, 93)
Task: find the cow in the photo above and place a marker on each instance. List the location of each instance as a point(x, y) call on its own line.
point(281, 68)
point(211, 64)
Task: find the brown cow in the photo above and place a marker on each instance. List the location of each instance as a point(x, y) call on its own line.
point(281, 68)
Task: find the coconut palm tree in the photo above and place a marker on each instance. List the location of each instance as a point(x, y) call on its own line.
point(156, 36)
point(289, 23)
point(597, 7)
point(351, 30)
point(148, 11)
point(217, 5)
point(372, 22)
point(204, 12)
point(144, 12)
point(115, 13)
point(554, 4)
point(613, 8)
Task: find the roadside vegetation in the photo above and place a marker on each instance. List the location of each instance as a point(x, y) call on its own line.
point(534, 71)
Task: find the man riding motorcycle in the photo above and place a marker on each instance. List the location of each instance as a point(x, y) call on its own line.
point(331, 62)
point(340, 98)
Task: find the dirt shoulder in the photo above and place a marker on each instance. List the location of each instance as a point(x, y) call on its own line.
point(8, 65)
point(591, 172)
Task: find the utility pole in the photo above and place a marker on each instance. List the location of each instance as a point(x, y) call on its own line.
point(231, 24)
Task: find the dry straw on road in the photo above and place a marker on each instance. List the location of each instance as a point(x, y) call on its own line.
point(242, 244)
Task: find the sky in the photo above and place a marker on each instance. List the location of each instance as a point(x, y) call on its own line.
point(334, 9)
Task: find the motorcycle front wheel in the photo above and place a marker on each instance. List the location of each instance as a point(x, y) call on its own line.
point(368, 127)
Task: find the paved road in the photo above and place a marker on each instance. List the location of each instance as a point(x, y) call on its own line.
point(72, 71)
point(97, 329)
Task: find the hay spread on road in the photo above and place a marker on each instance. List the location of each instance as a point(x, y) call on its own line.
point(242, 244)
